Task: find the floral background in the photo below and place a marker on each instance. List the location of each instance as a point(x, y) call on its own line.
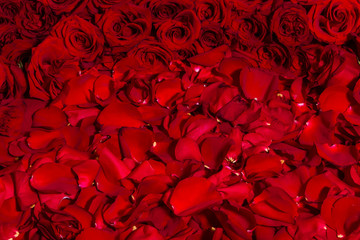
point(179, 119)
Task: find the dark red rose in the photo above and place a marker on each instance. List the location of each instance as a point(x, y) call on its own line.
point(12, 81)
point(66, 224)
point(211, 11)
point(63, 6)
point(35, 20)
point(50, 67)
point(8, 31)
point(104, 4)
point(162, 10)
point(290, 24)
point(274, 56)
point(147, 57)
point(125, 26)
point(249, 30)
point(10, 8)
point(180, 31)
point(332, 21)
point(211, 36)
point(332, 65)
point(81, 38)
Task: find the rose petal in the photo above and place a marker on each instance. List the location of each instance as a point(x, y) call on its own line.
point(110, 159)
point(275, 203)
point(49, 117)
point(338, 154)
point(119, 114)
point(54, 178)
point(145, 232)
point(214, 150)
point(193, 194)
point(147, 168)
point(335, 98)
point(197, 126)
point(215, 96)
point(263, 165)
point(186, 148)
point(209, 58)
point(86, 172)
point(252, 78)
point(25, 196)
point(95, 234)
point(168, 91)
point(136, 142)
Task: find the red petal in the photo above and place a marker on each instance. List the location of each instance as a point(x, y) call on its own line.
point(193, 194)
point(95, 234)
point(86, 172)
point(25, 196)
point(168, 91)
point(49, 117)
point(275, 204)
point(186, 148)
point(119, 114)
point(147, 168)
point(215, 96)
point(41, 139)
point(214, 150)
point(54, 178)
point(153, 114)
point(145, 232)
point(136, 142)
point(111, 161)
point(103, 87)
point(195, 127)
point(252, 78)
point(337, 154)
point(335, 98)
point(209, 58)
point(263, 165)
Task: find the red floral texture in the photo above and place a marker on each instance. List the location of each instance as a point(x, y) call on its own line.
point(179, 119)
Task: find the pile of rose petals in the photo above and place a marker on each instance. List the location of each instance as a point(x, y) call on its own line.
point(179, 119)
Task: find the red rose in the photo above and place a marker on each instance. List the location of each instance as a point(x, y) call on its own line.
point(147, 57)
point(211, 10)
point(50, 67)
point(35, 20)
point(10, 8)
point(56, 225)
point(125, 26)
point(12, 81)
point(290, 24)
point(63, 6)
point(332, 21)
point(162, 10)
point(8, 31)
point(211, 36)
point(248, 30)
point(180, 31)
point(81, 38)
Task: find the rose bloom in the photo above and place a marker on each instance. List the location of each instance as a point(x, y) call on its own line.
point(50, 67)
point(125, 25)
point(179, 32)
point(332, 21)
point(290, 25)
point(81, 38)
point(35, 20)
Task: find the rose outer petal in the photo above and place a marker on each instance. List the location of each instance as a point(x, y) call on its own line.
point(193, 195)
point(54, 178)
